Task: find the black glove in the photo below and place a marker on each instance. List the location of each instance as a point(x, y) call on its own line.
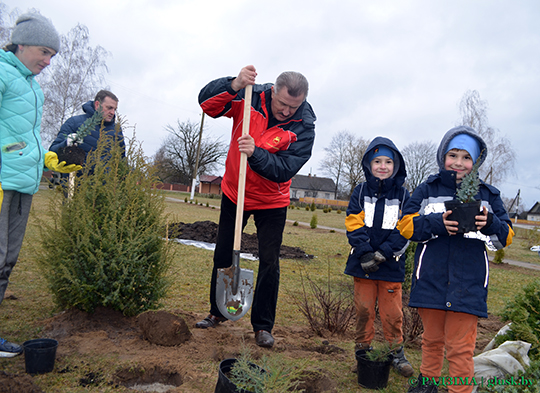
point(367, 262)
point(379, 257)
point(372, 265)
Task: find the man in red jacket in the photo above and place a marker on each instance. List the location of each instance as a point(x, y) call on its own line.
point(279, 143)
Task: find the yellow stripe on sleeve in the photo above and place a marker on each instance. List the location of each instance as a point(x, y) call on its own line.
point(406, 225)
point(510, 236)
point(355, 221)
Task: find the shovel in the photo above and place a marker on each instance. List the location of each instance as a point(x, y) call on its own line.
point(234, 286)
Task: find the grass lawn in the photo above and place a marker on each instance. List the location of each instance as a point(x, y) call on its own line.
point(24, 318)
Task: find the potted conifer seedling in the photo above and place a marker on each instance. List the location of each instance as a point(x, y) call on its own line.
point(373, 366)
point(74, 154)
point(241, 375)
point(465, 208)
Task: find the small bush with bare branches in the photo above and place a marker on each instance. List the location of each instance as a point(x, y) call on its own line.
point(326, 309)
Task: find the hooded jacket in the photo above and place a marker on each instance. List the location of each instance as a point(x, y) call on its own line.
point(21, 106)
point(452, 272)
point(280, 150)
point(373, 212)
point(90, 141)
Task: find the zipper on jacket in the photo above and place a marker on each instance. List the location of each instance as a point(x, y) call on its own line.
point(38, 144)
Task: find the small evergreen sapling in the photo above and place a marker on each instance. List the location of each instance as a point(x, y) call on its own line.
point(470, 183)
point(273, 376)
point(74, 154)
point(89, 125)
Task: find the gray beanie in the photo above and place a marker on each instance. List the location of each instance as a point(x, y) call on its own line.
point(34, 29)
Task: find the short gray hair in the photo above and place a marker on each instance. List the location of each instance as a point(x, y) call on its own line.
point(102, 94)
point(295, 82)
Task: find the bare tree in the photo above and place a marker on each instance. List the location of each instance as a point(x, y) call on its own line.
point(333, 163)
point(178, 153)
point(343, 161)
point(7, 21)
point(501, 156)
point(421, 161)
point(354, 174)
point(75, 75)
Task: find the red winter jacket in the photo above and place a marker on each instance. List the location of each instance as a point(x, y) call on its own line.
point(280, 151)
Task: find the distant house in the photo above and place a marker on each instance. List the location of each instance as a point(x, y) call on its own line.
point(210, 184)
point(312, 186)
point(534, 213)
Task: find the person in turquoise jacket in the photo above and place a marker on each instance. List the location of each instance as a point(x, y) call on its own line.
point(34, 41)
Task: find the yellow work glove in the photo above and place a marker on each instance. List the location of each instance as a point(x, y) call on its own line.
point(51, 162)
point(1, 196)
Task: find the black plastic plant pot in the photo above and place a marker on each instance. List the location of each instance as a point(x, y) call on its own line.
point(464, 214)
point(39, 355)
point(71, 155)
point(372, 374)
point(224, 384)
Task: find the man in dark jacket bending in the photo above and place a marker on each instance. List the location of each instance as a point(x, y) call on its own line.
point(108, 103)
point(280, 140)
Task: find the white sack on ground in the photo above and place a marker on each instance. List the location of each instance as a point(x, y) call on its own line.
point(211, 247)
point(503, 330)
point(509, 358)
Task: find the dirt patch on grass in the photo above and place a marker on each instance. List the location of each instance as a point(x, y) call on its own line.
point(191, 365)
point(206, 231)
point(137, 361)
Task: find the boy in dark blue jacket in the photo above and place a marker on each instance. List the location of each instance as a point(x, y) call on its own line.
point(377, 259)
point(451, 270)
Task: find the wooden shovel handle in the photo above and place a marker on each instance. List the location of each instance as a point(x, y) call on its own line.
point(242, 172)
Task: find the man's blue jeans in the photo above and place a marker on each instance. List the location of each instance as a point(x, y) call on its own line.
point(270, 224)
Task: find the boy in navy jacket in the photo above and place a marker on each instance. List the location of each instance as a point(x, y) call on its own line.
point(451, 271)
point(377, 259)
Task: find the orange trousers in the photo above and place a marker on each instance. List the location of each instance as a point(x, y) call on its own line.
point(388, 294)
point(455, 332)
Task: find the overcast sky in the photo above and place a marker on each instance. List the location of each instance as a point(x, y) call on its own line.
point(391, 68)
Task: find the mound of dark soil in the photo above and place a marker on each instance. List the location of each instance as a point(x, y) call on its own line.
point(164, 328)
point(206, 231)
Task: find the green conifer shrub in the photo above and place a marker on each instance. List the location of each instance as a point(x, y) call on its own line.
point(313, 222)
point(524, 314)
point(499, 256)
point(104, 246)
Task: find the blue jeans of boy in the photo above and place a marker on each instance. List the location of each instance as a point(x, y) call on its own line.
point(270, 224)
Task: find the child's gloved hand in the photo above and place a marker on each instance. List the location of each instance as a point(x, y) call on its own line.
point(379, 257)
point(368, 263)
point(51, 162)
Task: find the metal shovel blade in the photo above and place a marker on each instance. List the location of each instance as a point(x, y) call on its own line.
point(234, 290)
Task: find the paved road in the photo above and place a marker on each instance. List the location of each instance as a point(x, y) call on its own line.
point(522, 264)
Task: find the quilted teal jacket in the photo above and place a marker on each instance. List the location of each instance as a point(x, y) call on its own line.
point(21, 105)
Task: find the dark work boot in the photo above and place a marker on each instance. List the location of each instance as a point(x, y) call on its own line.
point(401, 364)
point(209, 322)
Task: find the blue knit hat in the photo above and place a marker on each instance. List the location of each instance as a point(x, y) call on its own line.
point(465, 142)
point(380, 151)
point(36, 30)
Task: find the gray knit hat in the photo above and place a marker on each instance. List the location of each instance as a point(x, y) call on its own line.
point(34, 29)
